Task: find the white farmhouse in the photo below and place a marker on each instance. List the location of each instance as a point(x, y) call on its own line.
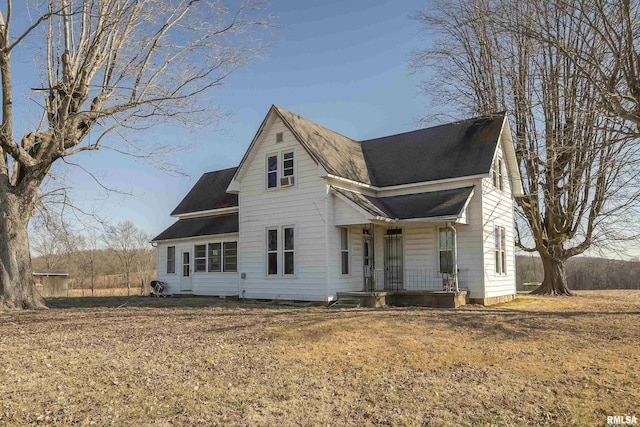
point(310, 213)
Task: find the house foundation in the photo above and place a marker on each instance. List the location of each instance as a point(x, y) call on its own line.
point(436, 299)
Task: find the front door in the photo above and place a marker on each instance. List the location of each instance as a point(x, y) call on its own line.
point(393, 260)
point(185, 281)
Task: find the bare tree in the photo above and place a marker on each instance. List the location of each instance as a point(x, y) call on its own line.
point(578, 164)
point(144, 261)
point(127, 241)
point(87, 253)
point(49, 244)
point(106, 64)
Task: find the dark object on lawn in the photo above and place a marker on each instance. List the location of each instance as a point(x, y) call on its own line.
point(158, 289)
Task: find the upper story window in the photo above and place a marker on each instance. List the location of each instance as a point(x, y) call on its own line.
point(280, 174)
point(279, 137)
point(272, 171)
point(498, 178)
point(500, 244)
point(287, 164)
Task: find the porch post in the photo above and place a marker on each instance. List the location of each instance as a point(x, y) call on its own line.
point(455, 255)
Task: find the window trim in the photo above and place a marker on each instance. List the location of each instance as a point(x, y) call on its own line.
point(268, 172)
point(346, 251)
point(272, 251)
point(196, 258)
point(209, 270)
point(285, 251)
point(293, 163)
point(223, 261)
point(500, 250)
point(171, 259)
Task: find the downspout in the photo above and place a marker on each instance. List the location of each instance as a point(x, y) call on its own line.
point(455, 254)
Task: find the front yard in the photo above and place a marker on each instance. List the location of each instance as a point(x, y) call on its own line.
point(142, 361)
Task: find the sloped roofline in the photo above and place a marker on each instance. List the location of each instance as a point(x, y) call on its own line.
point(274, 109)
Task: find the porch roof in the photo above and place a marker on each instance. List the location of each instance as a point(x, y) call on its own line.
point(433, 204)
point(203, 226)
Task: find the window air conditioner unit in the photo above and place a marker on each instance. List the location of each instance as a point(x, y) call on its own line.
point(286, 181)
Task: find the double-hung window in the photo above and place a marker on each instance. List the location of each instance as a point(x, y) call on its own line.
point(283, 251)
point(272, 171)
point(287, 164)
point(344, 250)
point(230, 256)
point(215, 257)
point(200, 258)
point(272, 251)
point(171, 260)
point(288, 256)
point(500, 243)
point(285, 175)
point(223, 257)
point(446, 250)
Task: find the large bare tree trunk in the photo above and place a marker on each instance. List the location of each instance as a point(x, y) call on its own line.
point(555, 278)
point(17, 286)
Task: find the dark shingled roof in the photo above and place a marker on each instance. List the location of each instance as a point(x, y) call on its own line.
point(203, 226)
point(210, 192)
point(451, 150)
point(339, 155)
point(433, 204)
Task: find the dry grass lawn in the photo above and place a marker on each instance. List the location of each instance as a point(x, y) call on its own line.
point(535, 361)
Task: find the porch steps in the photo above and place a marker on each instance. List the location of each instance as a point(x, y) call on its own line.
point(346, 303)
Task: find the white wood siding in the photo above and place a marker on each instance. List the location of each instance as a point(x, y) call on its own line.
point(344, 214)
point(202, 283)
point(469, 239)
point(497, 210)
point(338, 282)
point(302, 206)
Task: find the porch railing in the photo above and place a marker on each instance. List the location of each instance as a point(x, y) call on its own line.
point(413, 279)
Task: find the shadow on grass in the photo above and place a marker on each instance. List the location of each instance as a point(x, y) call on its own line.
point(505, 323)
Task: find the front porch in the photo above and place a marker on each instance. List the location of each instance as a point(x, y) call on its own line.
point(436, 299)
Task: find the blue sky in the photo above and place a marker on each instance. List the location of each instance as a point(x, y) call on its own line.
point(342, 64)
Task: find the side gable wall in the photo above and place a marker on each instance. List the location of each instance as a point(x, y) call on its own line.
point(498, 210)
point(302, 206)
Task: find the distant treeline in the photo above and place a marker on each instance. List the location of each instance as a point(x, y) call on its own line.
point(101, 268)
point(584, 273)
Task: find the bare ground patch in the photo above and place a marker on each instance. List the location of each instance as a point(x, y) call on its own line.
point(142, 361)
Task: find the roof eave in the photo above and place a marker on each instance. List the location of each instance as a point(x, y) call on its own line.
point(210, 212)
point(176, 239)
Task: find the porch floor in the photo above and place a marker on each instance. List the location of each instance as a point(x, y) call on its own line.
point(437, 299)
